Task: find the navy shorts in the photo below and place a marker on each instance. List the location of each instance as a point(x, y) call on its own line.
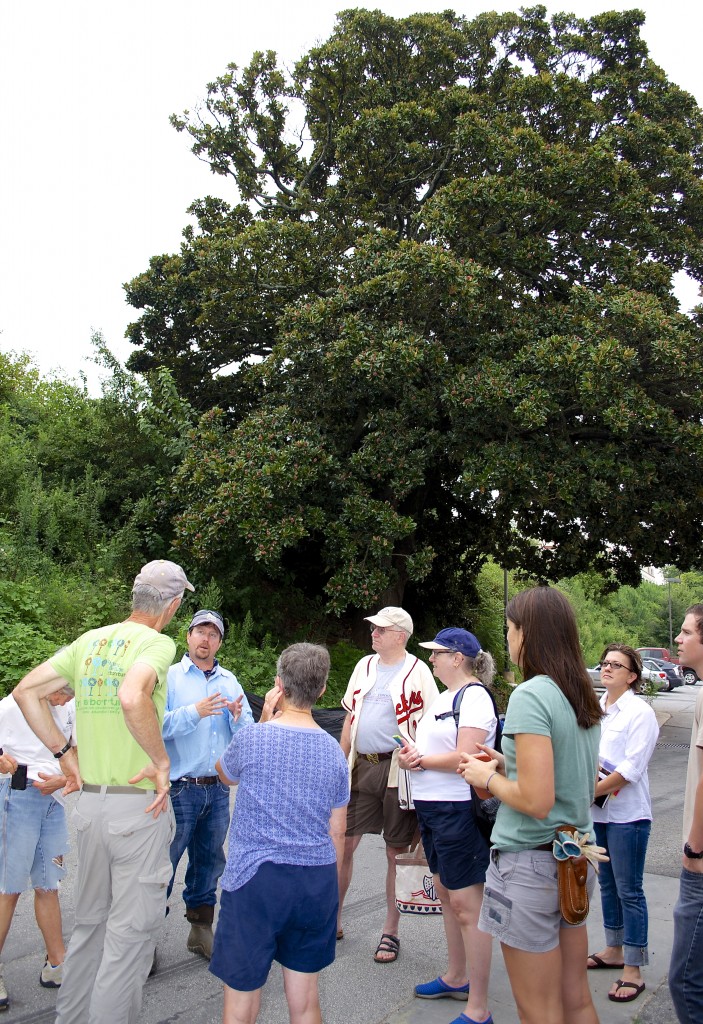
point(454, 847)
point(286, 913)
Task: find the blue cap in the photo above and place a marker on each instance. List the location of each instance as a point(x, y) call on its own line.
point(454, 639)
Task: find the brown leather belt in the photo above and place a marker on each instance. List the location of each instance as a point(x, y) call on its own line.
point(199, 780)
point(375, 758)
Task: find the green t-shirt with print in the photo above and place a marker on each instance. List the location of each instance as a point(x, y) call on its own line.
point(95, 665)
point(539, 708)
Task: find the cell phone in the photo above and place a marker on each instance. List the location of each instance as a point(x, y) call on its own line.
point(399, 740)
point(18, 780)
point(601, 801)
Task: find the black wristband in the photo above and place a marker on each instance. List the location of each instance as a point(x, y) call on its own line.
point(64, 750)
point(688, 852)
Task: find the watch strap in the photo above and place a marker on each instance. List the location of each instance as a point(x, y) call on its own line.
point(64, 750)
point(691, 854)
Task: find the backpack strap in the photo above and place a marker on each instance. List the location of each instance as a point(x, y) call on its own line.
point(456, 709)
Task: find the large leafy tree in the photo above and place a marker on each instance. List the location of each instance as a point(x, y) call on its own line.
point(444, 298)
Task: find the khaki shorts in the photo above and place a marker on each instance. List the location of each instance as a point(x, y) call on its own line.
point(521, 900)
point(373, 807)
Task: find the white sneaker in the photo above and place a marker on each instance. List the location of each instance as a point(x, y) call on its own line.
point(51, 977)
point(4, 999)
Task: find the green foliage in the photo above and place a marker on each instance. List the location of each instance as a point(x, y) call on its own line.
point(447, 317)
point(343, 656)
point(252, 661)
point(24, 638)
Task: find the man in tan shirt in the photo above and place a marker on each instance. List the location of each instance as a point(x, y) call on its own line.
point(686, 970)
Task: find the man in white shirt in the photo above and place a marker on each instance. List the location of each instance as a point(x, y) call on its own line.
point(388, 694)
point(34, 837)
point(686, 969)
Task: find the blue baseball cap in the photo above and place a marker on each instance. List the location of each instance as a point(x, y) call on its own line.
point(454, 639)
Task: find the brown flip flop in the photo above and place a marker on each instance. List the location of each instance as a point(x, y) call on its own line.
point(638, 990)
point(601, 965)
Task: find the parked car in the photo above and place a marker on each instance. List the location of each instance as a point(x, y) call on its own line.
point(672, 672)
point(690, 676)
point(658, 653)
point(657, 680)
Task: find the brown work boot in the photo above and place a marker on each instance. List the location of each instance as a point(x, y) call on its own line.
point(200, 937)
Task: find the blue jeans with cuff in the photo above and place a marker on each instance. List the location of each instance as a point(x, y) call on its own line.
point(202, 820)
point(686, 970)
point(625, 917)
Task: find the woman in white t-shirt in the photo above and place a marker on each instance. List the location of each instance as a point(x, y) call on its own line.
point(456, 851)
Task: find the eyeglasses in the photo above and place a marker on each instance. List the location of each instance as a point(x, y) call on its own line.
point(384, 629)
point(614, 665)
point(435, 653)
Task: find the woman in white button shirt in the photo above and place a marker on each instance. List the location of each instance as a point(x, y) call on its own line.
point(622, 815)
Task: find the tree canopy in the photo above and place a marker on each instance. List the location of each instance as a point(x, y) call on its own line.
point(437, 322)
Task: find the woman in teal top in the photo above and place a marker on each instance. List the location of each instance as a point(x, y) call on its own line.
point(545, 777)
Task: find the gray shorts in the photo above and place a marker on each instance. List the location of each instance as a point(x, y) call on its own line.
point(521, 900)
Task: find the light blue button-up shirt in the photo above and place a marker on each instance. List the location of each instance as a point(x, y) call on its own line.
point(193, 743)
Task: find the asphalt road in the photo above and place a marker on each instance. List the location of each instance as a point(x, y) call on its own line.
point(354, 990)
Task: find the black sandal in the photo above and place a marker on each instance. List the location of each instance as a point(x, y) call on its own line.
point(388, 944)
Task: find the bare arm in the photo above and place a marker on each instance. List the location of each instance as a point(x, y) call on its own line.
point(338, 828)
point(30, 695)
point(142, 721)
point(610, 783)
point(224, 779)
point(345, 738)
point(38, 684)
point(532, 792)
point(695, 835)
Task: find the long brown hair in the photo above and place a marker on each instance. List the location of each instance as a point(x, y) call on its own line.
point(550, 647)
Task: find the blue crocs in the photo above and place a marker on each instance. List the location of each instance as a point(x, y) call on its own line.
point(463, 1019)
point(438, 989)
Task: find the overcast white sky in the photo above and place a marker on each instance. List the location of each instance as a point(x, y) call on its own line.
point(93, 179)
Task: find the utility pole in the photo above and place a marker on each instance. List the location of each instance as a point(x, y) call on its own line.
point(669, 580)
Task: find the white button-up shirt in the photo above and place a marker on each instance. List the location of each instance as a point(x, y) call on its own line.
point(629, 733)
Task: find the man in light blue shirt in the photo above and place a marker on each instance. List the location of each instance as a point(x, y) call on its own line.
point(205, 706)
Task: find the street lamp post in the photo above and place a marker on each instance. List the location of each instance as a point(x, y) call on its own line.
point(669, 580)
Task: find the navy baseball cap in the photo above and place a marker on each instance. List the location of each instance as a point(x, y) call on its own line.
point(454, 639)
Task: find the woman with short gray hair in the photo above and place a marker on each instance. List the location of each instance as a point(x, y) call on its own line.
point(279, 887)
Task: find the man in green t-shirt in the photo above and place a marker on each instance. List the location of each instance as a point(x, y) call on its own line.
point(123, 816)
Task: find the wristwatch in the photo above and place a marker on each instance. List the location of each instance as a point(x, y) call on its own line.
point(688, 852)
point(64, 750)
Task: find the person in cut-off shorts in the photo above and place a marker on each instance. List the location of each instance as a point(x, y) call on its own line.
point(33, 831)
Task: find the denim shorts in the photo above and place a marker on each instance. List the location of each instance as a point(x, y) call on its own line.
point(34, 840)
point(286, 913)
point(521, 900)
point(454, 847)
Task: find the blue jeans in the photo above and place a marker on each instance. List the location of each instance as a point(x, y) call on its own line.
point(686, 970)
point(202, 819)
point(621, 892)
